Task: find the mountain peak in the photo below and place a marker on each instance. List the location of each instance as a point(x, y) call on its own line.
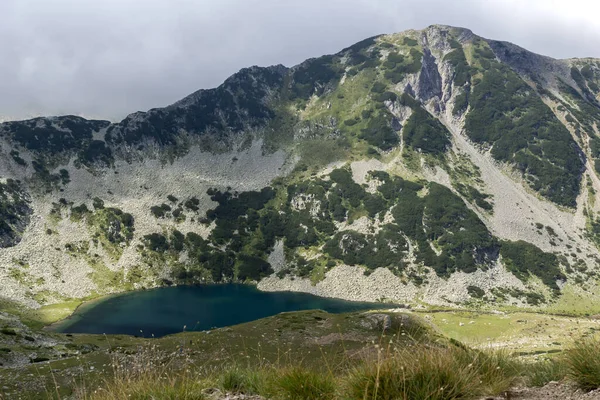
point(429, 164)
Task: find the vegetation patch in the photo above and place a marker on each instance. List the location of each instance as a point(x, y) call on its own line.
point(425, 133)
point(462, 70)
point(524, 259)
point(507, 115)
point(446, 235)
point(57, 136)
point(111, 226)
point(583, 363)
point(378, 131)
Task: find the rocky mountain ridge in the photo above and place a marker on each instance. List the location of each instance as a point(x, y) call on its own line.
point(429, 166)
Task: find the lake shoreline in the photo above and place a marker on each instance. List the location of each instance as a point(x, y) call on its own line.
point(225, 292)
point(91, 301)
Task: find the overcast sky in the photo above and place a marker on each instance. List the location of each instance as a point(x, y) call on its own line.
point(108, 58)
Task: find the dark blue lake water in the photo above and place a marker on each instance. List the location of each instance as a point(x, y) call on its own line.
point(164, 311)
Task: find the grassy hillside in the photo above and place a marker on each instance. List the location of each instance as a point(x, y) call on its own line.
point(432, 167)
point(312, 354)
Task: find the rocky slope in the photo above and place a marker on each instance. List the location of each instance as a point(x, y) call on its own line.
point(428, 166)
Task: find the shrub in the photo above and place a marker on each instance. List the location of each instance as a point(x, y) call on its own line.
point(78, 212)
point(386, 96)
point(14, 212)
point(461, 102)
point(312, 76)
point(253, 268)
point(8, 331)
point(160, 211)
point(351, 121)
point(192, 204)
point(127, 219)
point(507, 115)
point(15, 156)
point(156, 242)
point(409, 41)
point(426, 133)
point(462, 72)
point(379, 133)
point(378, 87)
point(64, 176)
point(96, 152)
point(177, 240)
point(522, 258)
point(475, 291)
point(98, 203)
point(395, 57)
point(157, 211)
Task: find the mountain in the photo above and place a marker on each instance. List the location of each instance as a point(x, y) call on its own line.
point(427, 167)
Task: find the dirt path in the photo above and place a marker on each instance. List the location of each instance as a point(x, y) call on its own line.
point(552, 391)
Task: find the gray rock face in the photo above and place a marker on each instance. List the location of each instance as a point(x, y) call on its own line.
point(15, 213)
point(396, 125)
point(383, 322)
point(430, 80)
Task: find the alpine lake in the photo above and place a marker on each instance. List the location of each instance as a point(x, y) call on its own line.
point(168, 310)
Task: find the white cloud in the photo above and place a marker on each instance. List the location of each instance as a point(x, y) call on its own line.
point(106, 58)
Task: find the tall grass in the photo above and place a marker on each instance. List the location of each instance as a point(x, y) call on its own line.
point(407, 372)
point(542, 372)
point(149, 374)
point(300, 383)
point(435, 373)
point(583, 363)
point(245, 380)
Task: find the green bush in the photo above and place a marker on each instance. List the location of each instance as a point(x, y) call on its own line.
point(522, 259)
point(78, 212)
point(96, 153)
point(378, 87)
point(252, 268)
point(426, 133)
point(156, 242)
point(475, 291)
point(379, 132)
point(474, 195)
point(463, 238)
point(17, 158)
point(192, 204)
point(409, 41)
point(98, 203)
point(508, 115)
point(312, 76)
point(157, 211)
point(462, 70)
point(386, 96)
point(67, 134)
